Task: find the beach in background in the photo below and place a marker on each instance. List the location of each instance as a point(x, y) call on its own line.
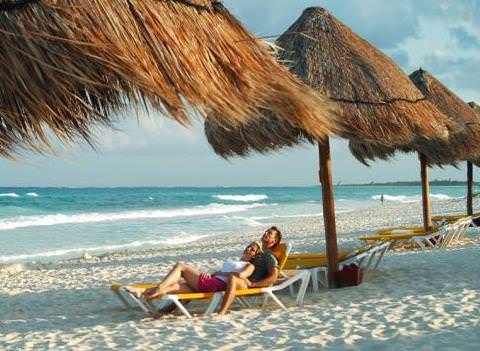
point(414, 301)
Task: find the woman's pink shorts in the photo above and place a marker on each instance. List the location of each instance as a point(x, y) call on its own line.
point(207, 283)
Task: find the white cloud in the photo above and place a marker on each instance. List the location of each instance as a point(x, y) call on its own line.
point(146, 132)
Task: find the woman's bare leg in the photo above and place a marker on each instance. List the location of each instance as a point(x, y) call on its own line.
point(181, 270)
point(234, 283)
point(138, 292)
point(175, 288)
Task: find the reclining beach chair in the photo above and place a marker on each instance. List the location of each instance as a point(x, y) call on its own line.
point(268, 292)
point(367, 258)
point(437, 238)
point(451, 218)
point(456, 231)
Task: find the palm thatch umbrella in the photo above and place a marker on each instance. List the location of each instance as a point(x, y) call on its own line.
point(475, 107)
point(464, 144)
point(379, 105)
point(67, 65)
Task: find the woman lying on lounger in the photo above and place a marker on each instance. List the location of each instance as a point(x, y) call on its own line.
point(196, 281)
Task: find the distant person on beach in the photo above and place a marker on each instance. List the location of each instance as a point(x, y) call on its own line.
point(196, 281)
point(266, 269)
point(382, 198)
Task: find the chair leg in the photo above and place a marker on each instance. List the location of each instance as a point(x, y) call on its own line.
point(291, 288)
point(320, 275)
point(137, 301)
point(180, 306)
point(265, 300)
point(217, 297)
point(380, 257)
point(151, 306)
point(315, 281)
point(122, 299)
point(425, 243)
point(242, 302)
point(274, 298)
point(447, 239)
point(303, 288)
point(369, 263)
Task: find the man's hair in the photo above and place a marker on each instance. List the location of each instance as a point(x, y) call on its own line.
point(278, 234)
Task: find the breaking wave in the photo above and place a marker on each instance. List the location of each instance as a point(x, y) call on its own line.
point(55, 219)
point(411, 198)
point(243, 198)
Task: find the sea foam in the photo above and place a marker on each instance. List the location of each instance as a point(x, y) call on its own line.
point(56, 219)
point(407, 199)
point(9, 195)
point(242, 198)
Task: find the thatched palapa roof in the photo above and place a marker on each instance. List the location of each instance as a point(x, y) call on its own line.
point(463, 143)
point(379, 104)
point(475, 107)
point(69, 64)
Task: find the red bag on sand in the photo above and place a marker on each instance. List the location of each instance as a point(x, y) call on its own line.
point(350, 275)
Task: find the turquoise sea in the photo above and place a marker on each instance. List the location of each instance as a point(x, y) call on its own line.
point(50, 224)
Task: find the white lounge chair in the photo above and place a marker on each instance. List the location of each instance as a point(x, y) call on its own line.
point(268, 292)
point(436, 238)
point(367, 258)
point(447, 235)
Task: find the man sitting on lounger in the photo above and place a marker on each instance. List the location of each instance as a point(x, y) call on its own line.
point(265, 273)
point(261, 271)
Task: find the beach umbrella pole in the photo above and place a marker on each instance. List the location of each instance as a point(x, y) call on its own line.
point(325, 173)
point(427, 219)
point(469, 188)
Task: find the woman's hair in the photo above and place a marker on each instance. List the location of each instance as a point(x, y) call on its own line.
point(278, 234)
point(259, 250)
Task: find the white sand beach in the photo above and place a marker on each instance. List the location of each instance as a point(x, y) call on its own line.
point(414, 301)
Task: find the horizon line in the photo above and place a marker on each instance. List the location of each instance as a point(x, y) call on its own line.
point(339, 183)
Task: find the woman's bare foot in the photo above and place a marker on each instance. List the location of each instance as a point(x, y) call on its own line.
point(150, 295)
point(137, 292)
point(221, 313)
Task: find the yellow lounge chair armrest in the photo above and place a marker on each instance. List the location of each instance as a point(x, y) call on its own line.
point(115, 287)
point(405, 230)
point(453, 217)
point(374, 238)
point(194, 296)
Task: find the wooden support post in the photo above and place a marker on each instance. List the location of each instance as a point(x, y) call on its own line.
point(427, 219)
point(469, 188)
point(325, 173)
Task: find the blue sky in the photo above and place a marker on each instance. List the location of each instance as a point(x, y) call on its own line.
point(440, 36)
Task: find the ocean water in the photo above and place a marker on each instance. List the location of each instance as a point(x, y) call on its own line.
point(50, 224)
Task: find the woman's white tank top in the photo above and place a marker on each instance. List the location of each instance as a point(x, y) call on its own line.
point(233, 267)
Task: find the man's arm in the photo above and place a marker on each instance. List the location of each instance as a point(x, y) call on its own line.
point(269, 280)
